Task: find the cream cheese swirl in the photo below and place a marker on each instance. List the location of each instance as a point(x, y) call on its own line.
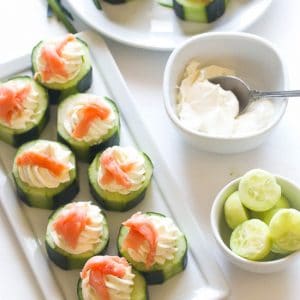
point(98, 127)
point(72, 55)
point(39, 177)
point(136, 174)
point(167, 234)
point(118, 288)
point(30, 105)
point(90, 236)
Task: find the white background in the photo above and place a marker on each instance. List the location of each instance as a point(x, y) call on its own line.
point(201, 175)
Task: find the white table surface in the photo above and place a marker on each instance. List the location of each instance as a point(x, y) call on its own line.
point(201, 175)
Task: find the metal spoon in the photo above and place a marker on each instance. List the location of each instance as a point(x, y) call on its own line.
point(244, 94)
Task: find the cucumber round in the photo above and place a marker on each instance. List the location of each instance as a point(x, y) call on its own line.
point(258, 190)
point(235, 212)
point(113, 200)
point(68, 261)
point(139, 292)
point(17, 137)
point(85, 151)
point(79, 84)
point(199, 10)
point(157, 273)
point(48, 198)
point(285, 229)
point(251, 240)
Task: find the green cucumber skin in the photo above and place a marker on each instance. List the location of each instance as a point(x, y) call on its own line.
point(115, 1)
point(84, 152)
point(205, 14)
point(140, 291)
point(81, 84)
point(69, 261)
point(15, 138)
point(157, 274)
point(115, 201)
point(46, 198)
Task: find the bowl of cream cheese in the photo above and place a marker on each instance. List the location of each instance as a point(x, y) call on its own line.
point(206, 115)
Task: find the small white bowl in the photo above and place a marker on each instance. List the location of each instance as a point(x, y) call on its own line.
point(254, 60)
point(222, 232)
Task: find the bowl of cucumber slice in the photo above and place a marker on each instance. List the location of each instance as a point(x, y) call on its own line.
point(256, 221)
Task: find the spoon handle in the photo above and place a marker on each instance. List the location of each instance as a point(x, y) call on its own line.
point(259, 94)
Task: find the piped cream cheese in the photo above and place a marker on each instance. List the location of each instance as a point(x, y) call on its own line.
point(135, 175)
point(117, 288)
point(91, 234)
point(206, 107)
point(40, 177)
point(167, 237)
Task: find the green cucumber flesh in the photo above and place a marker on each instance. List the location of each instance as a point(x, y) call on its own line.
point(157, 273)
point(199, 11)
point(68, 261)
point(81, 83)
point(139, 292)
point(47, 198)
point(115, 201)
point(17, 137)
point(86, 151)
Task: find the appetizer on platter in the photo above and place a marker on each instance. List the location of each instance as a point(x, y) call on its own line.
point(75, 233)
point(110, 278)
point(63, 66)
point(24, 110)
point(154, 245)
point(119, 177)
point(45, 174)
point(88, 124)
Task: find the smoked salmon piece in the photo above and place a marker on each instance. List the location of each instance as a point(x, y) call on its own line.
point(114, 171)
point(141, 229)
point(100, 266)
point(41, 160)
point(71, 224)
point(54, 62)
point(11, 101)
point(87, 115)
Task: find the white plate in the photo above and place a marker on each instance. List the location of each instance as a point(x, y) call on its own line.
point(146, 24)
point(202, 276)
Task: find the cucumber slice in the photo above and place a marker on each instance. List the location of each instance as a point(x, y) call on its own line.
point(259, 190)
point(267, 215)
point(157, 273)
point(86, 151)
point(235, 212)
point(66, 260)
point(17, 137)
point(139, 292)
point(251, 240)
point(285, 229)
point(79, 84)
point(47, 198)
point(113, 200)
point(199, 10)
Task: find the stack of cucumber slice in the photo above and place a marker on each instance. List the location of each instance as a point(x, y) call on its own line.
point(263, 223)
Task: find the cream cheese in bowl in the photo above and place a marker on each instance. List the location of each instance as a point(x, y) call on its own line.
point(207, 108)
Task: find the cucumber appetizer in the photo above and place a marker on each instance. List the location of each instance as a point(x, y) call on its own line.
point(24, 110)
point(264, 225)
point(63, 66)
point(110, 277)
point(203, 11)
point(75, 233)
point(154, 245)
point(119, 177)
point(45, 174)
point(88, 124)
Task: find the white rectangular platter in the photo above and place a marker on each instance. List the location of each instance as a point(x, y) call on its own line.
point(202, 278)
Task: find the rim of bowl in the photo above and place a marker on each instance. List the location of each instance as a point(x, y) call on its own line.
point(240, 260)
point(217, 35)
